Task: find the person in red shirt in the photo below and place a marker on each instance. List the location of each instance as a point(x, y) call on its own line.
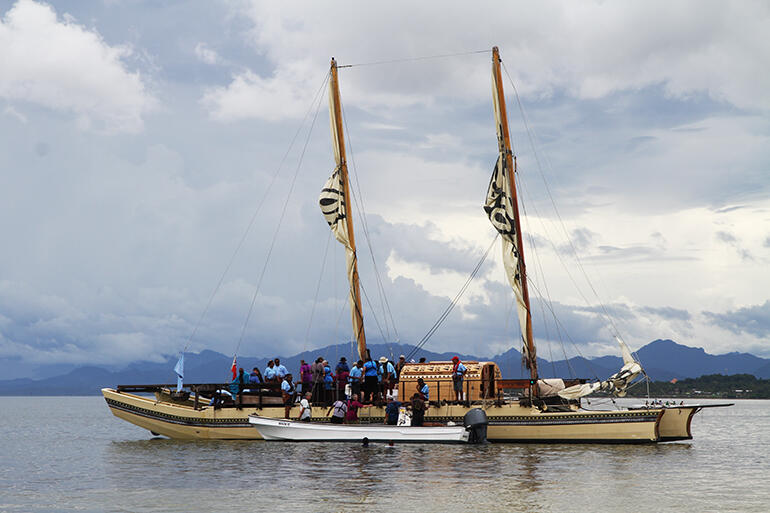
point(353, 406)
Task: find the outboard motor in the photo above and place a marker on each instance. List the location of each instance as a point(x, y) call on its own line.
point(475, 421)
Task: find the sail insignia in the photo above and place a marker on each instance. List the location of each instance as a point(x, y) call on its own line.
point(333, 207)
point(502, 214)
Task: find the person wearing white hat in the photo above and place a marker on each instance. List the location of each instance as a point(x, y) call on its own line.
point(387, 376)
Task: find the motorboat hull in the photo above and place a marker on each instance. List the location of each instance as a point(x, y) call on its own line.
point(296, 431)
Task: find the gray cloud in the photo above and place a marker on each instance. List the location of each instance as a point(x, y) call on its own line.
point(113, 243)
point(730, 239)
point(754, 320)
point(726, 237)
point(668, 312)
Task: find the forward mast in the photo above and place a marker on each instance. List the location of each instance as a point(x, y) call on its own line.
point(510, 163)
point(338, 141)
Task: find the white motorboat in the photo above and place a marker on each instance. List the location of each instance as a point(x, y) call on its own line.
point(296, 431)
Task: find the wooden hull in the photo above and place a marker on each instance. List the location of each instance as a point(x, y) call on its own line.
point(507, 423)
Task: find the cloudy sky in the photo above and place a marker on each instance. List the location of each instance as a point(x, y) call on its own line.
point(139, 139)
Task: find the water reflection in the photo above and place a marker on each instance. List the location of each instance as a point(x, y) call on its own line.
point(94, 462)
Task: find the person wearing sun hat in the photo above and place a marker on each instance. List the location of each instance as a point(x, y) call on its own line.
point(387, 374)
point(458, 373)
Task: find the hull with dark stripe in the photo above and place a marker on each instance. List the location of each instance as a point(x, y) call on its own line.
point(507, 423)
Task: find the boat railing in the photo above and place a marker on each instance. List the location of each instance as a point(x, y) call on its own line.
point(259, 395)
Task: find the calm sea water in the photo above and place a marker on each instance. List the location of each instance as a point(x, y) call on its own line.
point(71, 454)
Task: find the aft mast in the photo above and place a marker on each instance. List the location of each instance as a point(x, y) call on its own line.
point(512, 207)
point(336, 207)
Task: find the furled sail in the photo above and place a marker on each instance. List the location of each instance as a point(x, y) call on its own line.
point(499, 208)
point(335, 208)
point(617, 383)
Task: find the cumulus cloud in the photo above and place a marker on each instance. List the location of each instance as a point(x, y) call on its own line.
point(57, 63)
point(753, 319)
point(569, 55)
point(285, 94)
point(206, 54)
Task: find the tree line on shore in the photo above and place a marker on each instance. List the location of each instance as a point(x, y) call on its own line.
point(736, 386)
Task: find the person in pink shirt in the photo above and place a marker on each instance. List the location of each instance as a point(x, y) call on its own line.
point(353, 406)
point(306, 375)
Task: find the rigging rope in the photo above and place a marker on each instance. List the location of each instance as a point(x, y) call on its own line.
point(412, 59)
point(453, 302)
point(254, 216)
point(280, 221)
point(359, 199)
point(614, 329)
point(317, 289)
point(547, 297)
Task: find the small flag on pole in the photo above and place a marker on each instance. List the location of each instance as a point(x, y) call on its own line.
point(179, 369)
point(234, 368)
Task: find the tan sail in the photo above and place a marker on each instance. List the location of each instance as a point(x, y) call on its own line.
point(502, 208)
point(335, 205)
point(617, 383)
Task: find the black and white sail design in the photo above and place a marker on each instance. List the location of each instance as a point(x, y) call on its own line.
point(499, 208)
point(335, 208)
point(617, 383)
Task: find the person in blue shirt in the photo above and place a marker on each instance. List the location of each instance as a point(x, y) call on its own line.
point(270, 374)
point(356, 377)
point(280, 370)
point(423, 389)
point(342, 366)
point(458, 373)
point(287, 392)
point(370, 380)
point(255, 376)
point(328, 382)
point(391, 412)
point(387, 374)
point(241, 379)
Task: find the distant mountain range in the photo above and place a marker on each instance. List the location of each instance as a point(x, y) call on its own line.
point(662, 359)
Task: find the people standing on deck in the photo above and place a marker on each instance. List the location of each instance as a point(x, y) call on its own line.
point(370, 380)
point(317, 370)
point(255, 376)
point(305, 376)
point(287, 392)
point(269, 374)
point(387, 374)
point(340, 409)
point(328, 382)
point(356, 377)
point(400, 366)
point(305, 410)
point(422, 359)
point(423, 390)
point(241, 379)
point(342, 381)
point(342, 366)
point(280, 370)
point(458, 373)
point(353, 406)
point(391, 412)
point(418, 410)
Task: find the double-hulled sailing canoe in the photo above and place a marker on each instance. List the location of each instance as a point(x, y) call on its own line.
point(543, 411)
